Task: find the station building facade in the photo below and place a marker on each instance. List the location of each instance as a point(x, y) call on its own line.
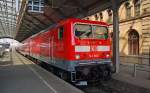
point(134, 26)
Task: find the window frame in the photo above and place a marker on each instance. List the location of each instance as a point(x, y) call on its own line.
point(101, 16)
point(137, 7)
point(92, 29)
point(133, 42)
point(128, 12)
point(61, 34)
point(38, 7)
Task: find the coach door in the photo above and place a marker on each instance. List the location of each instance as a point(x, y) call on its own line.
point(51, 49)
point(30, 48)
point(49, 57)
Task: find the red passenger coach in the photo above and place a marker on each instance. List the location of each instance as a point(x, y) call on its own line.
point(79, 50)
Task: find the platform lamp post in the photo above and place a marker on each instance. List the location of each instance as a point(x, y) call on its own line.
point(116, 59)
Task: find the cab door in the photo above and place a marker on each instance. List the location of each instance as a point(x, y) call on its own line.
point(60, 42)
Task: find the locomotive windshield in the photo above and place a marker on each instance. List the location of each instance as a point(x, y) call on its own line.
point(91, 31)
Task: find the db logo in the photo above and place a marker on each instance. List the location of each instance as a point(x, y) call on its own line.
point(93, 48)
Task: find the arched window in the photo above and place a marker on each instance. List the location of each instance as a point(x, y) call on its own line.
point(109, 11)
point(96, 17)
point(101, 16)
point(133, 42)
point(87, 18)
point(137, 4)
point(128, 10)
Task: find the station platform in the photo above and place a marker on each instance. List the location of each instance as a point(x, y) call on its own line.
point(20, 75)
point(140, 78)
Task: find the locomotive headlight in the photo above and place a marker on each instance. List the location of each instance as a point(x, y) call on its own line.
point(77, 56)
point(107, 55)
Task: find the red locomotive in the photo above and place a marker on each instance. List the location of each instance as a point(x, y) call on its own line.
point(79, 50)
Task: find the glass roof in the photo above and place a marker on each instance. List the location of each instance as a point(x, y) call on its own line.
point(8, 14)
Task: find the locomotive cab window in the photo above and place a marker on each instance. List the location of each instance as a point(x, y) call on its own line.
point(91, 31)
point(100, 32)
point(83, 31)
point(60, 33)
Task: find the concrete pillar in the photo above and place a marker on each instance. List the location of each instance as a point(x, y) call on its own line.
point(116, 58)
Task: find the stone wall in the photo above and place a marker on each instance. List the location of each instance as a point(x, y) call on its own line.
point(139, 23)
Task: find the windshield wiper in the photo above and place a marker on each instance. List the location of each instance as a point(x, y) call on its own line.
point(87, 33)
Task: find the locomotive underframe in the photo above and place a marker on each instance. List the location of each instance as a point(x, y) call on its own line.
point(92, 71)
point(89, 70)
point(85, 70)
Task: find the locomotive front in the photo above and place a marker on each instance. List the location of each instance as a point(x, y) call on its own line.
point(92, 51)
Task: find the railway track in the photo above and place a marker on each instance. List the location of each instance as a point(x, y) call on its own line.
point(113, 86)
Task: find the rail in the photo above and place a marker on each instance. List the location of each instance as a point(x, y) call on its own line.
point(139, 63)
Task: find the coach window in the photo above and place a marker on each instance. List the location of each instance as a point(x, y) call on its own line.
point(60, 33)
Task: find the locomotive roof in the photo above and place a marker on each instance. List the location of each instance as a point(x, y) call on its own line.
point(66, 20)
point(83, 20)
